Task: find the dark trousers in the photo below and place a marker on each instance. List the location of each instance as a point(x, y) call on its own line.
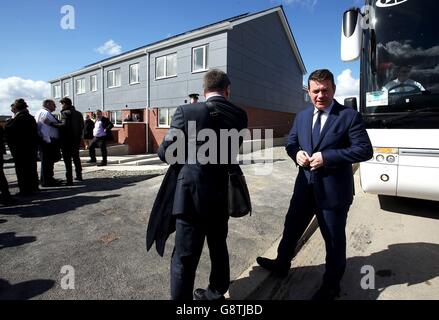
point(189, 241)
point(332, 223)
point(71, 151)
point(47, 162)
point(27, 174)
point(100, 142)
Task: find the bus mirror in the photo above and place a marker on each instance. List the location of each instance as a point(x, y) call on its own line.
point(351, 103)
point(351, 34)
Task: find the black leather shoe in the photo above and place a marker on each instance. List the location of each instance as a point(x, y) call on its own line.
point(91, 161)
point(273, 266)
point(79, 178)
point(201, 294)
point(102, 164)
point(326, 293)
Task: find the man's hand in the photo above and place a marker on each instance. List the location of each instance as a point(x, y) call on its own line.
point(316, 161)
point(302, 158)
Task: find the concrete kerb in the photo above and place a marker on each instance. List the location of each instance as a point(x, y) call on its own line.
point(262, 279)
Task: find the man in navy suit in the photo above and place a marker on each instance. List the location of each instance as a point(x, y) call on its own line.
point(200, 199)
point(324, 142)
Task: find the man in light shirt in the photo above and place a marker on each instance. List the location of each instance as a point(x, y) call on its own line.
point(49, 144)
point(101, 132)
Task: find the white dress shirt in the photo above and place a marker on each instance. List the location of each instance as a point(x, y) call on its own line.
point(324, 115)
point(99, 130)
point(44, 118)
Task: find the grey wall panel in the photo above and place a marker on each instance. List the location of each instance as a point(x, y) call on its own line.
point(171, 92)
point(127, 96)
point(90, 100)
point(262, 66)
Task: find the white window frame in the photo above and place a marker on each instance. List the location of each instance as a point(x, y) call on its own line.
point(169, 114)
point(205, 56)
point(57, 91)
point(80, 86)
point(131, 68)
point(116, 78)
point(114, 119)
point(66, 89)
point(165, 67)
point(94, 79)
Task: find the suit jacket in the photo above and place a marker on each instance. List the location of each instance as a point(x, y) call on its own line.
point(192, 188)
point(21, 133)
point(161, 221)
point(71, 126)
point(108, 125)
point(202, 189)
point(343, 141)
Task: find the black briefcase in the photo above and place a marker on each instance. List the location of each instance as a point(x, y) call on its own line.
point(238, 195)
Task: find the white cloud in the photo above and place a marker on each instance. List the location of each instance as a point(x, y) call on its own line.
point(347, 86)
point(310, 4)
point(109, 48)
point(405, 50)
point(33, 92)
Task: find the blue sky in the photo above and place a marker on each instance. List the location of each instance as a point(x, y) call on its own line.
point(36, 49)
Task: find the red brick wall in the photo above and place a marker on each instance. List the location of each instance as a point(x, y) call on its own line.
point(280, 122)
point(156, 134)
point(136, 137)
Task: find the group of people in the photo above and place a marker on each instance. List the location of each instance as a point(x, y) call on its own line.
point(46, 137)
point(324, 141)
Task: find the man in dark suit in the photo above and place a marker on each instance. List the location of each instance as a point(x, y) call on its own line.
point(200, 199)
point(71, 130)
point(21, 133)
point(324, 142)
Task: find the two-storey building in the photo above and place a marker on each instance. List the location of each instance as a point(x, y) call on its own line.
point(258, 52)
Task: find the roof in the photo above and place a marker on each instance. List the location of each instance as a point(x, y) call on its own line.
point(222, 25)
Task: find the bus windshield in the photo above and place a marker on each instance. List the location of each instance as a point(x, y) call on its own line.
point(400, 65)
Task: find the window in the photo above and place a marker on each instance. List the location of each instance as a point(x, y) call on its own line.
point(166, 66)
point(199, 59)
point(57, 91)
point(165, 116)
point(116, 117)
point(113, 78)
point(80, 86)
point(93, 83)
point(66, 89)
point(306, 97)
point(134, 73)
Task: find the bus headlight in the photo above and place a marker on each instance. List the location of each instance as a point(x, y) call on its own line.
point(379, 158)
point(390, 159)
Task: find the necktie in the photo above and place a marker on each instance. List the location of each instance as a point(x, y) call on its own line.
point(316, 129)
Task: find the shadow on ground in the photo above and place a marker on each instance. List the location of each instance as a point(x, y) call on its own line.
point(59, 200)
point(24, 290)
point(397, 265)
point(409, 206)
point(9, 239)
